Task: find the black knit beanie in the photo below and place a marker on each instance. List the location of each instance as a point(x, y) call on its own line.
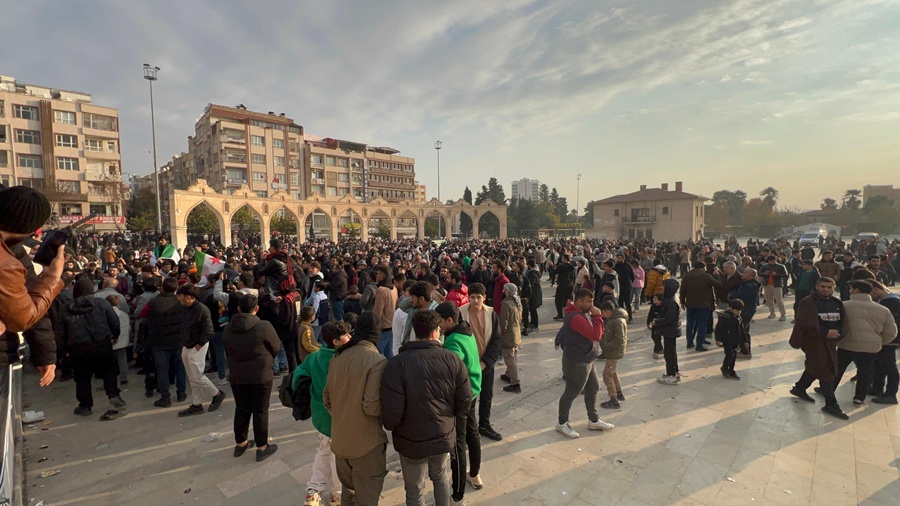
point(22, 210)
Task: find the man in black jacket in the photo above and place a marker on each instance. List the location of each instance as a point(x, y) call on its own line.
point(565, 284)
point(424, 390)
point(89, 326)
point(885, 378)
point(196, 331)
point(337, 290)
point(626, 279)
point(163, 336)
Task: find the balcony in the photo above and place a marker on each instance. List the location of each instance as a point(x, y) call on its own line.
point(638, 220)
point(235, 182)
point(318, 180)
point(232, 158)
point(228, 139)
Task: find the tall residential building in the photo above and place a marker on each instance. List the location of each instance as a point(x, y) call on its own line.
point(526, 189)
point(421, 195)
point(60, 143)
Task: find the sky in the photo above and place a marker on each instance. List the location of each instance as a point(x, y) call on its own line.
point(801, 95)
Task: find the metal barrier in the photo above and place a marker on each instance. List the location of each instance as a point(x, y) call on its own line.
point(11, 472)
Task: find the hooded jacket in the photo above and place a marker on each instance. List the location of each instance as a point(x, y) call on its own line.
point(315, 367)
point(579, 337)
point(668, 323)
point(89, 323)
point(655, 278)
point(461, 341)
point(615, 335)
point(250, 347)
point(423, 391)
point(164, 322)
point(275, 270)
point(892, 302)
point(829, 269)
point(459, 295)
point(729, 329)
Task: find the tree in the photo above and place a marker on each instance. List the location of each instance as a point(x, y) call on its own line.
point(587, 219)
point(384, 230)
point(245, 217)
point(829, 204)
point(202, 220)
point(465, 221)
point(882, 212)
point(284, 224)
point(851, 200)
point(770, 196)
point(141, 214)
point(544, 194)
point(756, 214)
point(467, 195)
point(493, 191)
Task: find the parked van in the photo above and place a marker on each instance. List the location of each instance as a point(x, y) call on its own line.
point(811, 237)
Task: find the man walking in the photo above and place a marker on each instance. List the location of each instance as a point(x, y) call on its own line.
point(424, 390)
point(626, 279)
point(163, 335)
point(565, 283)
point(886, 377)
point(197, 330)
point(579, 339)
point(774, 275)
point(698, 299)
point(485, 326)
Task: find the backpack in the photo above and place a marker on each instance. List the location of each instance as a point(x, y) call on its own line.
point(298, 399)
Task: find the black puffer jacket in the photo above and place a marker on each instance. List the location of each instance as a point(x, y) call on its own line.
point(275, 271)
point(164, 322)
point(250, 345)
point(89, 323)
point(423, 390)
point(668, 324)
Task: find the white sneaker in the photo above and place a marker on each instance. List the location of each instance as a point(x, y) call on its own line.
point(566, 430)
point(668, 380)
point(475, 481)
point(657, 356)
point(220, 382)
point(312, 498)
point(335, 500)
point(600, 425)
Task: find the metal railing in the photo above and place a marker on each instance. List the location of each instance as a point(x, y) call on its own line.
point(11, 473)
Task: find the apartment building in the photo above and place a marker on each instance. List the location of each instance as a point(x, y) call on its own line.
point(421, 195)
point(232, 146)
point(526, 189)
point(62, 144)
point(340, 168)
point(653, 213)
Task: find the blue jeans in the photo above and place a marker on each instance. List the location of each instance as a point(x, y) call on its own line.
point(386, 343)
point(337, 308)
point(280, 361)
point(697, 321)
point(218, 351)
point(169, 367)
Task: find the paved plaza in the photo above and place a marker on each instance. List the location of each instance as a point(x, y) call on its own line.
point(707, 441)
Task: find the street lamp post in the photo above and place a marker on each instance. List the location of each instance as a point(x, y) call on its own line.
point(150, 75)
point(437, 148)
point(577, 195)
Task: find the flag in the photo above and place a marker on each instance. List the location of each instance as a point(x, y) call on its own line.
point(206, 265)
point(167, 252)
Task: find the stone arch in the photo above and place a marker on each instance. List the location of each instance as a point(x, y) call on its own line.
point(376, 222)
point(350, 224)
point(407, 225)
point(214, 233)
point(284, 221)
point(252, 228)
point(489, 225)
point(464, 221)
point(435, 224)
point(318, 224)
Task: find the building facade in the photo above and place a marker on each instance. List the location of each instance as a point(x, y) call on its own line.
point(526, 189)
point(881, 190)
point(654, 213)
point(421, 194)
point(62, 144)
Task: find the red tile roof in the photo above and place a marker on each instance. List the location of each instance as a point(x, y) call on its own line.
point(650, 194)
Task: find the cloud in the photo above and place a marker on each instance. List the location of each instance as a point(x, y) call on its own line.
point(756, 143)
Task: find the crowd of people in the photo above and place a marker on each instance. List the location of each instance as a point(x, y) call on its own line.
point(406, 336)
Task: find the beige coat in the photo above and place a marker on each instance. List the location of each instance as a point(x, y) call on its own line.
point(869, 325)
point(510, 324)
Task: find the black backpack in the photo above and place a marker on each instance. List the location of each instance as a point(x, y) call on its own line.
point(298, 399)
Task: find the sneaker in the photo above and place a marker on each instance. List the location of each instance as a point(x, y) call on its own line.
point(718, 344)
point(240, 450)
point(83, 411)
point(335, 500)
point(733, 375)
point(620, 396)
point(668, 380)
point(149, 393)
point(744, 356)
point(858, 402)
point(163, 403)
point(724, 371)
point(181, 396)
point(515, 389)
point(489, 432)
point(284, 369)
point(772, 316)
point(535, 329)
point(566, 430)
point(793, 321)
point(557, 318)
point(690, 346)
point(312, 499)
point(657, 356)
point(117, 401)
point(220, 382)
point(262, 455)
point(193, 409)
point(475, 481)
point(885, 399)
point(801, 394)
point(610, 404)
point(216, 401)
point(461, 502)
point(504, 378)
point(277, 373)
point(783, 318)
point(700, 348)
point(600, 425)
point(835, 411)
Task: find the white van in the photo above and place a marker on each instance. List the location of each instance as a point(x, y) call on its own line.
point(811, 237)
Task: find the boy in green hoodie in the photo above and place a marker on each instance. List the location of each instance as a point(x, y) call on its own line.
point(315, 367)
point(613, 342)
point(458, 338)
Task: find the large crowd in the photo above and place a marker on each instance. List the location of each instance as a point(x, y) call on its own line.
point(407, 336)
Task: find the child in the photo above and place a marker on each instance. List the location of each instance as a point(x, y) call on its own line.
point(324, 473)
point(654, 313)
point(307, 344)
point(319, 302)
point(613, 342)
point(608, 293)
point(730, 330)
point(120, 342)
point(637, 286)
point(668, 324)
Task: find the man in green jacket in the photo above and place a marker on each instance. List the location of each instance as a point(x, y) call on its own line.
point(459, 338)
point(323, 486)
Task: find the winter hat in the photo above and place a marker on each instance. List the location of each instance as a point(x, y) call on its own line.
point(22, 210)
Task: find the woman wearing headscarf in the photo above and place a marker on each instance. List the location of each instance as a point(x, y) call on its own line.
point(511, 336)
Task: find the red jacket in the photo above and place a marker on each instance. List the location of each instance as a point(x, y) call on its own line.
point(459, 295)
point(498, 291)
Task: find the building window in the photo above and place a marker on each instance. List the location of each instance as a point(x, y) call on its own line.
point(2, 111)
point(4, 180)
point(616, 213)
point(4, 160)
point(236, 175)
point(262, 194)
point(31, 161)
point(111, 147)
point(258, 159)
point(28, 136)
point(99, 209)
point(93, 145)
point(64, 117)
point(69, 186)
point(67, 141)
point(295, 179)
point(25, 112)
point(37, 184)
point(259, 176)
point(344, 178)
point(316, 159)
point(332, 191)
point(67, 209)
point(257, 140)
point(293, 146)
point(2, 133)
point(101, 122)
point(318, 189)
point(342, 162)
point(94, 189)
point(278, 143)
point(295, 195)
point(329, 161)
point(278, 161)
point(67, 163)
point(665, 211)
point(343, 191)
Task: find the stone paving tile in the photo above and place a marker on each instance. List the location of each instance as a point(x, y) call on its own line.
point(706, 441)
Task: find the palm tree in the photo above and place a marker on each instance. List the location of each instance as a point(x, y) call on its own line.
point(851, 200)
point(770, 196)
point(829, 205)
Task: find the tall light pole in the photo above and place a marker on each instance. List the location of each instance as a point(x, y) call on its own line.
point(150, 75)
point(437, 148)
point(577, 195)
